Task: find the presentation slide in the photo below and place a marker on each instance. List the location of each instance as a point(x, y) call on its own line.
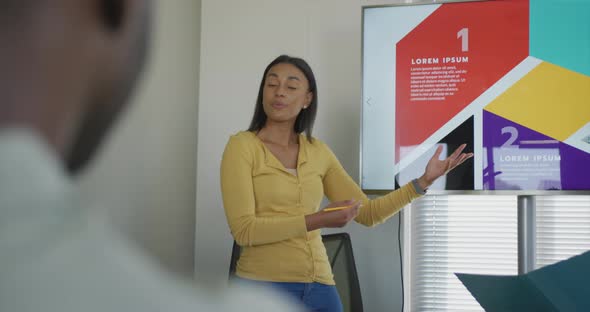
point(511, 78)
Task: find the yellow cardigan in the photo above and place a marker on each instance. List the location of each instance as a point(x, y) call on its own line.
point(265, 207)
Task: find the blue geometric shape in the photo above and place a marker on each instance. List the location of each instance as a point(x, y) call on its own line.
point(560, 33)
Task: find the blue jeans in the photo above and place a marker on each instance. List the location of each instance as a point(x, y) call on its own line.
point(316, 297)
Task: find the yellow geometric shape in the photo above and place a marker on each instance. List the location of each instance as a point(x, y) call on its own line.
point(549, 99)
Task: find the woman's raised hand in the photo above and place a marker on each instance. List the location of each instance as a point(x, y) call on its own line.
point(436, 168)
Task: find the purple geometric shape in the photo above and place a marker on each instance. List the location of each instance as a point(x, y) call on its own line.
point(518, 158)
point(575, 168)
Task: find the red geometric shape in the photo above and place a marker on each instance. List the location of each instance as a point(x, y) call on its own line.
point(429, 91)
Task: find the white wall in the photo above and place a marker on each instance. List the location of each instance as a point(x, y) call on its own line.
point(146, 173)
point(239, 38)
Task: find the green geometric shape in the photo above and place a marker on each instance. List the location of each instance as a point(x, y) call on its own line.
point(560, 33)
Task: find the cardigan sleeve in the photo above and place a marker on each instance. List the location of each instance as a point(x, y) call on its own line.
point(237, 190)
point(338, 186)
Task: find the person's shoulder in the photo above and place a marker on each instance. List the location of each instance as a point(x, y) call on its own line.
point(243, 142)
point(242, 138)
point(117, 268)
point(244, 135)
point(316, 144)
point(319, 150)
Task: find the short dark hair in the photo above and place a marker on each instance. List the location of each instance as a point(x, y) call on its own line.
point(14, 12)
point(306, 118)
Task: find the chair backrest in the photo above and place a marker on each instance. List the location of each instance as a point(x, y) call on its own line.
point(339, 249)
point(235, 255)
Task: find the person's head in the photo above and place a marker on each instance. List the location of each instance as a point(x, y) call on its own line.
point(288, 93)
point(68, 68)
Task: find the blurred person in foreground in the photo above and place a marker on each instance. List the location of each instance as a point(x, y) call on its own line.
point(67, 70)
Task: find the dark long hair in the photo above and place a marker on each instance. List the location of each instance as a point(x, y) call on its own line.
point(306, 118)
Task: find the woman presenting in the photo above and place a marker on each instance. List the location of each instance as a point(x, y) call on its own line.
point(274, 177)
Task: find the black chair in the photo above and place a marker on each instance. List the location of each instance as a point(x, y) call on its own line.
point(339, 249)
point(235, 255)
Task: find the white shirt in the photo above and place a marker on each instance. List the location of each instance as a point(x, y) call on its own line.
point(57, 256)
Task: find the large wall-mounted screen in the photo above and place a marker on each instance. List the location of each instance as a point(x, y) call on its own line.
point(511, 78)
